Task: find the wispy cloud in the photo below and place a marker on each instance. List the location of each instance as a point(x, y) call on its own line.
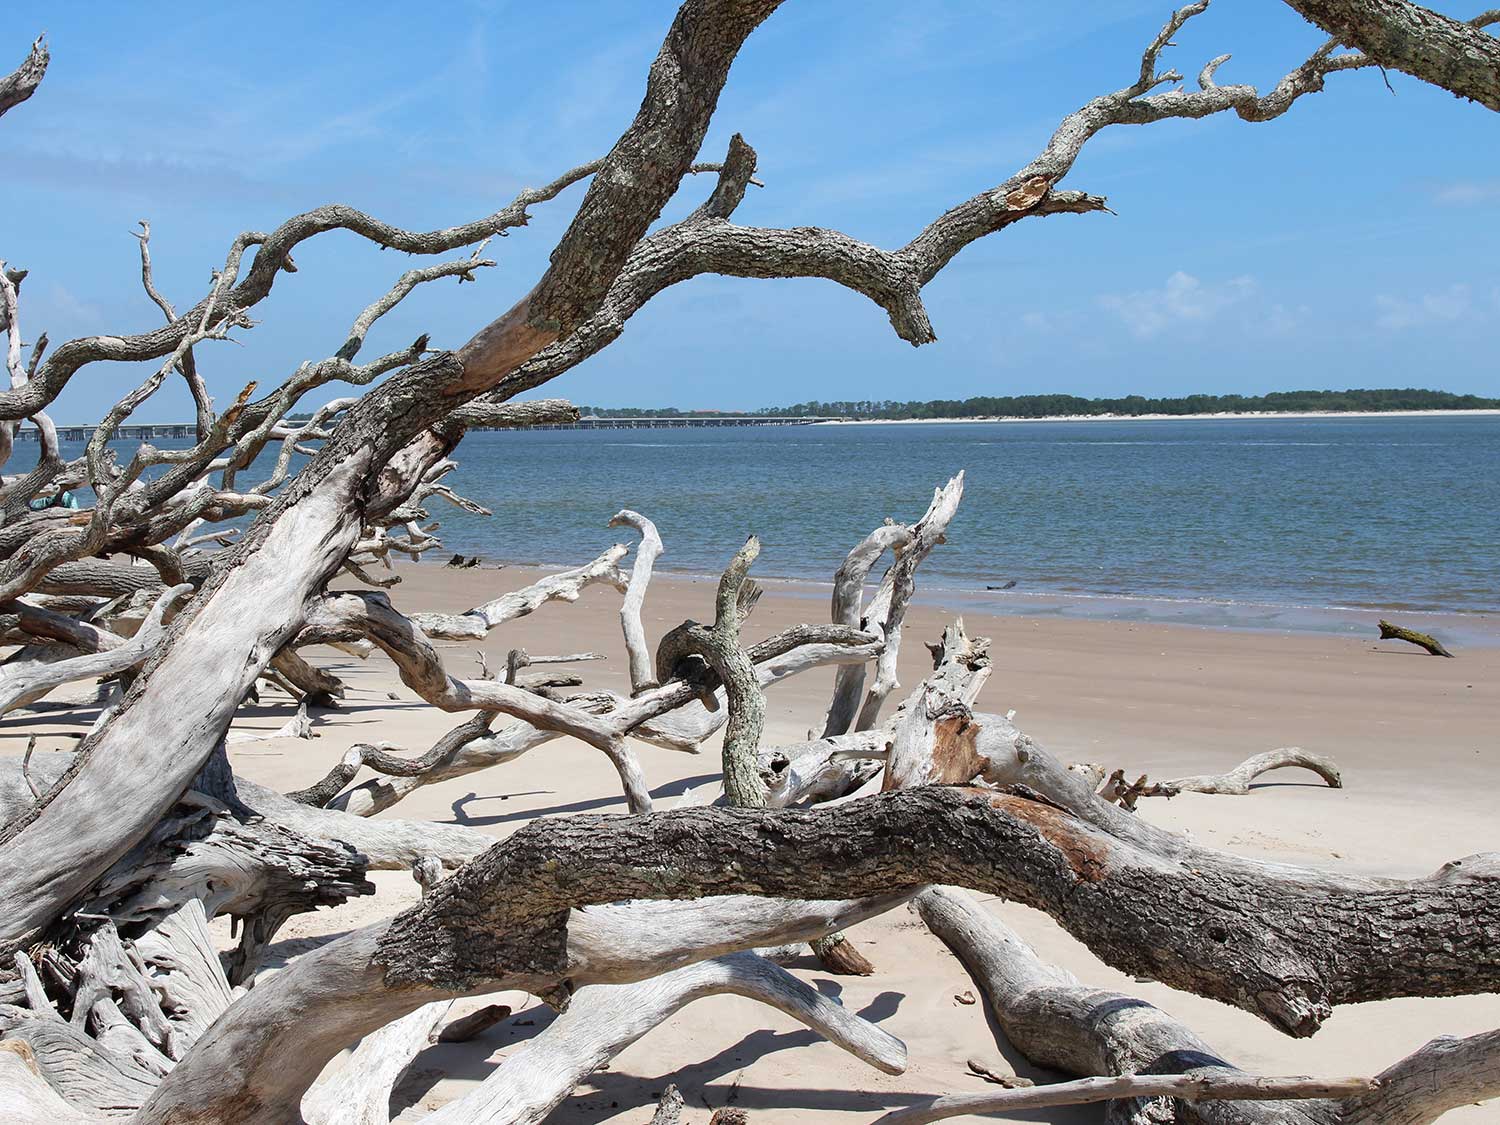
point(1184, 299)
point(1444, 306)
point(1467, 193)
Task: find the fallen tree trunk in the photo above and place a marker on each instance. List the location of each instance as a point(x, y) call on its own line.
point(1285, 943)
point(1058, 1023)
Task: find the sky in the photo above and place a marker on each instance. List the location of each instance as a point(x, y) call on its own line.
point(1350, 243)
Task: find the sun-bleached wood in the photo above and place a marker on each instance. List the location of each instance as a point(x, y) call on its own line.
point(1237, 782)
point(603, 1019)
point(360, 1092)
point(77, 858)
point(642, 669)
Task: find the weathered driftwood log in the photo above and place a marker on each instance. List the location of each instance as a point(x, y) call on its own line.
point(475, 1024)
point(25, 1096)
point(933, 741)
point(1058, 1023)
point(185, 971)
point(317, 686)
point(1187, 1087)
point(1434, 647)
point(360, 1092)
point(1284, 943)
point(93, 1081)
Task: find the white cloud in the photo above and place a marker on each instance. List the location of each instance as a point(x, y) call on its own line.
point(1184, 299)
point(1442, 307)
point(1468, 193)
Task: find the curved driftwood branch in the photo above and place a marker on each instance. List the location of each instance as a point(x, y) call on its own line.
point(642, 674)
point(887, 608)
point(602, 1019)
point(719, 648)
point(1434, 647)
point(360, 1093)
point(1237, 781)
point(27, 682)
point(564, 586)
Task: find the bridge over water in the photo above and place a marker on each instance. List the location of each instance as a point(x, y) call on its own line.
point(677, 422)
point(186, 430)
point(153, 432)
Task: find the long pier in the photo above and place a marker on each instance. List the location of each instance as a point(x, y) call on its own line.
point(185, 430)
point(153, 432)
point(680, 422)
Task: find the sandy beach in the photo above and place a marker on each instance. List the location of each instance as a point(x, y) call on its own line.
point(1415, 736)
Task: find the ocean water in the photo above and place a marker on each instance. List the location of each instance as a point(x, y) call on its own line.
point(1212, 521)
point(1319, 512)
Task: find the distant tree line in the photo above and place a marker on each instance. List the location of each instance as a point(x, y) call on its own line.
point(1044, 406)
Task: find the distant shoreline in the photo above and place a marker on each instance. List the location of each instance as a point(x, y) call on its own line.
point(1246, 416)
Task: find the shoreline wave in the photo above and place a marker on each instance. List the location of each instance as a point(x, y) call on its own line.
point(1194, 611)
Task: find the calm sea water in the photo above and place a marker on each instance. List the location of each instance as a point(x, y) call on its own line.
point(1382, 512)
point(1219, 521)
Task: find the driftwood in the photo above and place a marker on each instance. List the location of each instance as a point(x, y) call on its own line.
point(1059, 1023)
point(1237, 781)
point(669, 1108)
point(1188, 1087)
point(116, 858)
point(601, 1020)
point(1434, 647)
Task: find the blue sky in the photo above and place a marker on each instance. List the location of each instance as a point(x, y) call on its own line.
point(1352, 242)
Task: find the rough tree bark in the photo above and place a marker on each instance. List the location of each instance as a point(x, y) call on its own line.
point(1459, 57)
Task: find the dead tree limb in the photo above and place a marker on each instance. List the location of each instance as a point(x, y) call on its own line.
point(22, 82)
point(565, 586)
point(718, 647)
point(24, 683)
point(1058, 1023)
point(1237, 781)
point(602, 1019)
point(1188, 1087)
point(1283, 940)
point(642, 675)
point(1457, 56)
point(1434, 647)
point(360, 1093)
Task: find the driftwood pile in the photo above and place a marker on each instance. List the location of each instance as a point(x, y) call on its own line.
point(117, 854)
